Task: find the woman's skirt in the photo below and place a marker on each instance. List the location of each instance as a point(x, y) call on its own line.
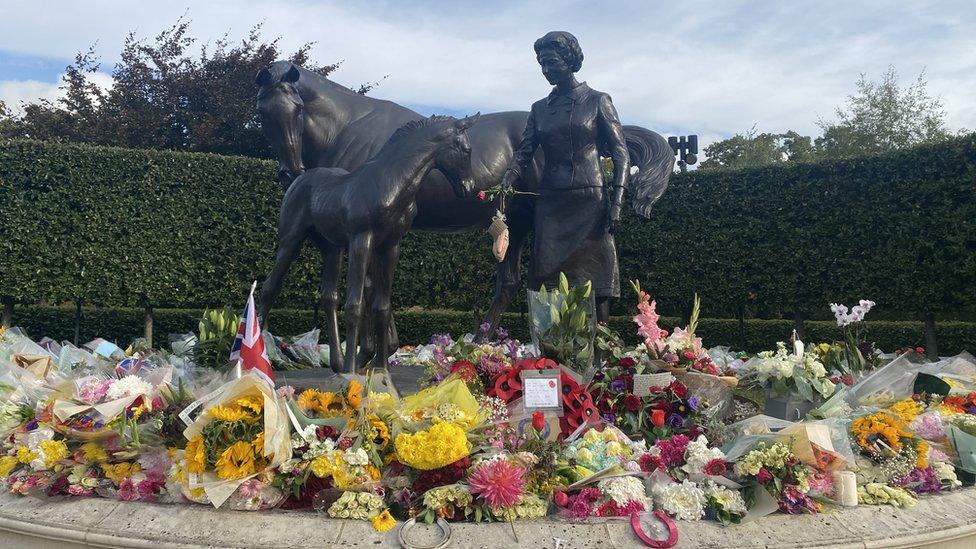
point(571, 237)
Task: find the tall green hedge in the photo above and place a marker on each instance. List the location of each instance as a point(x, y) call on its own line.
point(133, 227)
point(122, 325)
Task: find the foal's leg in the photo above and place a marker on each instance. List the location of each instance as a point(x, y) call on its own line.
point(331, 260)
point(290, 243)
point(360, 250)
point(385, 261)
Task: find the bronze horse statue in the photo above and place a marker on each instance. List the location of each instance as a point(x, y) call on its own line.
point(367, 212)
point(314, 122)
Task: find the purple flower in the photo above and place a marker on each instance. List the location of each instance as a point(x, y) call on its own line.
point(693, 403)
point(501, 333)
point(610, 418)
point(31, 425)
point(598, 376)
point(670, 358)
point(441, 340)
point(675, 421)
point(921, 481)
point(485, 326)
point(618, 386)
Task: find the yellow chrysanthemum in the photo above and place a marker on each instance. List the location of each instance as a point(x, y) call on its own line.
point(196, 455)
point(25, 455)
point(354, 394)
point(907, 409)
point(54, 452)
point(7, 464)
point(93, 452)
point(383, 522)
point(236, 462)
point(442, 444)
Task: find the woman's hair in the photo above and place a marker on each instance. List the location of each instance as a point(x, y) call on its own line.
point(566, 46)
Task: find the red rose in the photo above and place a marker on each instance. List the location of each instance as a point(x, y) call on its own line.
point(690, 355)
point(920, 350)
point(538, 421)
point(657, 417)
point(561, 499)
point(481, 195)
point(632, 402)
point(764, 476)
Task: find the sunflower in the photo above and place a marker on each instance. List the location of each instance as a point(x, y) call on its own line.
point(384, 521)
point(227, 413)
point(354, 394)
point(381, 433)
point(236, 462)
point(196, 455)
point(253, 403)
point(258, 444)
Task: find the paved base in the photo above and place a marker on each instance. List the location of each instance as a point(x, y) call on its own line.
point(947, 521)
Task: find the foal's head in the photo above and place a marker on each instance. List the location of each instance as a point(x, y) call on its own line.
point(454, 156)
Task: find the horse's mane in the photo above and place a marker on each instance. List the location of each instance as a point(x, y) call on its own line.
point(409, 127)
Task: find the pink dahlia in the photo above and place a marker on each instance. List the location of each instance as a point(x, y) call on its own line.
point(500, 483)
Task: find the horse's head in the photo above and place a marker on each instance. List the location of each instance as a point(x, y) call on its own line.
point(453, 157)
point(282, 116)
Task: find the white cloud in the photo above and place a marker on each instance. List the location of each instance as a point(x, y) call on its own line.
point(14, 93)
point(712, 68)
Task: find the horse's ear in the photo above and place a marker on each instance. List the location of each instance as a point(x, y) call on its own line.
point(292, 75)
point(263, 77)
point(467, 122)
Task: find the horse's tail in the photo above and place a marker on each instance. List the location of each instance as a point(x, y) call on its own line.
point(655, 160)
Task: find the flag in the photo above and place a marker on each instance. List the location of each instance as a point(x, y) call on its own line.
point(248, 349)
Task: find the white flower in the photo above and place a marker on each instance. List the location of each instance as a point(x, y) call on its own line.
point(128, 386)
point(729, 500)
point(356, 457)
point(698, 454)
point(685, 501)
point(623, 490)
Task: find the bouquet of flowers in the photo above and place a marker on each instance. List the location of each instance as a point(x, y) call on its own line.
point(620, 496)
point(661, 412)
point(783, 373)
point(774, 468)
point(242, 431)
point(678, 352)
point(598, 451)
point(858, 353)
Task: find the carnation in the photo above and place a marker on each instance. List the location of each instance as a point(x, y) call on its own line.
point(623, 490)
point(685, 501)
point(698, 455)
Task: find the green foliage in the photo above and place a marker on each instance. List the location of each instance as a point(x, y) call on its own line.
point(882, 116)
point(757, 149)
point(564, 323)
point(415, 327)
point(119, 227)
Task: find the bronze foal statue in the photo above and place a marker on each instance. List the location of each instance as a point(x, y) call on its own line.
point(367, 211)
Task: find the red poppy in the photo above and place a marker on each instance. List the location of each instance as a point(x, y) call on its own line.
point(538, 421)
point(657, 417)
point(507, 384)
point(464, 370)
point(632, 402)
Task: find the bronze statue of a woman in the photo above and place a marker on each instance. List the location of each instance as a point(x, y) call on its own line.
point(575, 213)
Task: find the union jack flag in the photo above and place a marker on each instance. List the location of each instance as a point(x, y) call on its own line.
point(248, 349)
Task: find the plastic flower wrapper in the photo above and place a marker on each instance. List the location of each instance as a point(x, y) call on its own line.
point(450, 401)
point(896, 380)
point(785, 373)
point(242, 430)
point(598, 450)
point(336, 409)
point(603, 498)
point(712, 389)
point(962, 435)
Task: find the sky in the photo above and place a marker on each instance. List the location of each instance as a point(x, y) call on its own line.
point(711, 68)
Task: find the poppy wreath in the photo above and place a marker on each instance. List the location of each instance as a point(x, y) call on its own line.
point(578, 407)
point(507, 385)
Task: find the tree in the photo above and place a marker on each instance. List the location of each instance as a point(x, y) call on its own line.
point(163, 96)
point(882, 116)
point(757, 149)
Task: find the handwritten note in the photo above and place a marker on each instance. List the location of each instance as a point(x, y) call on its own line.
point(540, 392)
point(644, 382)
